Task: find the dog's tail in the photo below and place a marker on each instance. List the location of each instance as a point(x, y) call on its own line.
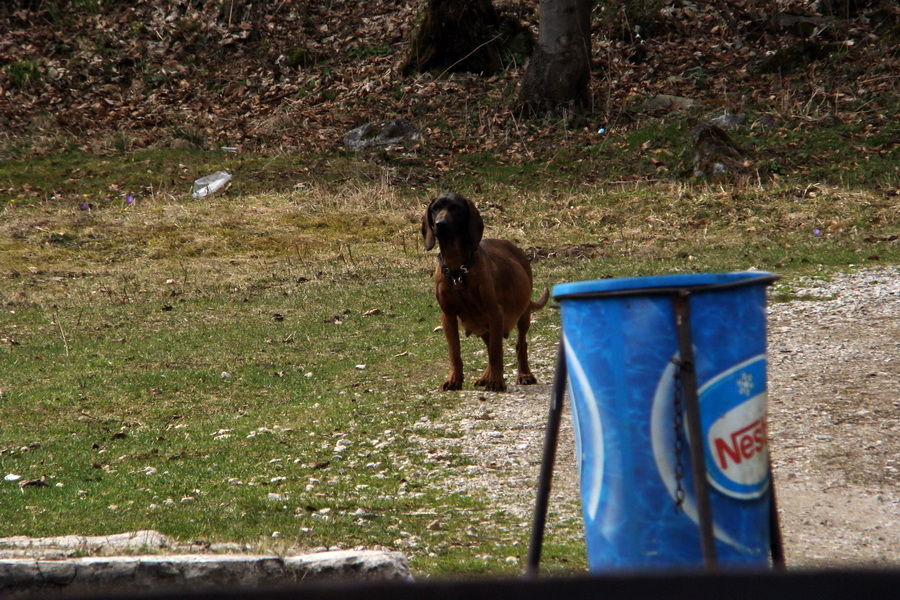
point(542, 301)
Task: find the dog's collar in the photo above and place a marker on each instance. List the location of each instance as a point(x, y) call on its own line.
point(457, 276)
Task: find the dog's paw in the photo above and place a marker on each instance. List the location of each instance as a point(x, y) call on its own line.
point(452, 384)
point(526, 379)
point(491, 385)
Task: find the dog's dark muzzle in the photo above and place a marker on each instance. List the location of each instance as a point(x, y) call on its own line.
point(442, 227)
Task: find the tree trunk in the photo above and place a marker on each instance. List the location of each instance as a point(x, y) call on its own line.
point(559, 72)
point(456, 35)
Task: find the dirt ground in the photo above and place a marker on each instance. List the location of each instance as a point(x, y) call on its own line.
point(834, 425)
point(834, 414)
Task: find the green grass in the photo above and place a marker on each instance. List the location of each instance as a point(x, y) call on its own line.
point(23, 73)
point(188, 419)
point(192, 365)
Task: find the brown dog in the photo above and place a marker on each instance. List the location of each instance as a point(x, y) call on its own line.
point(483, 284)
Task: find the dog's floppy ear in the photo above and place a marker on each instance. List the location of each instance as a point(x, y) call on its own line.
point(476, 224)
point(428, 228)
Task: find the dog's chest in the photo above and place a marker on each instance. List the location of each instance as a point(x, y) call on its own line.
point(457, 300)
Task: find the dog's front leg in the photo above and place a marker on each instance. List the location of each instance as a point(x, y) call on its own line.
point(451, 332)
point(492, 379)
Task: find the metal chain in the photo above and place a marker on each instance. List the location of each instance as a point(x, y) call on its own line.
point(678, 426)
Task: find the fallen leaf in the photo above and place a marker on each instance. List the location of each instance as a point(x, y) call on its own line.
point(42, 482)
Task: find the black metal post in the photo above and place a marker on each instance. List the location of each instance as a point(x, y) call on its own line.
point(551, 440)
point(681, 304)
point(776, 543)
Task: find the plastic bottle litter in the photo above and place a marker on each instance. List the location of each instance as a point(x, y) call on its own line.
point(210, 184)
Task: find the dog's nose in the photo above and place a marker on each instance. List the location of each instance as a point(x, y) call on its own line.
point(441, 226)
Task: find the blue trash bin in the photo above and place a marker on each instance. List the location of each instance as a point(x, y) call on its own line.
point(622, 356)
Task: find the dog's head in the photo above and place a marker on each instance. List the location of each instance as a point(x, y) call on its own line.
point(451, 216)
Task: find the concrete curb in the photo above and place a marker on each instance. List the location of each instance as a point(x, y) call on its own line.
point(26, 577)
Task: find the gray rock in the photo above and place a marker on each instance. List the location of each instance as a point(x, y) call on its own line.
point(667, 103)
point(50, 547)
point(391, 132)
point(25, 577)
point(728, 121)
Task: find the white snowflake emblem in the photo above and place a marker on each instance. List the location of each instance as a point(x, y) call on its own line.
point(745, 384)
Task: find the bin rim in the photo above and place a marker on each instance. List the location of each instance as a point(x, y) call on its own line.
point(686, 283)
